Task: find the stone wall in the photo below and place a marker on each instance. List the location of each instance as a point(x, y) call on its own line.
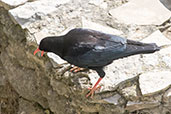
point(31, 84)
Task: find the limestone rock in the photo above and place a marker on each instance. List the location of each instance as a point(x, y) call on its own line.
point(158, 38)
point(167, 96)
point(96, 2)
point(56, 58)
point(2, 80)
point(166, 3)
point(120, 70)
point(167, 99)
point(99, 3)
point(141, 12)
point(8, 4)
point(162, 56)
point(132, 106)
point(91, 25)
point(167, 60)
point(114, 99)
point(150, 60)
point(154, 81)
point(2, 75)
point(130, 92)
point(41, 34)
point(166, 56)
point(26, 107)
point(29, 84)
point(30, 12)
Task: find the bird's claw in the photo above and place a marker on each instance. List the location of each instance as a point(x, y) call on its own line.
point(91, 93)
point(95, 88)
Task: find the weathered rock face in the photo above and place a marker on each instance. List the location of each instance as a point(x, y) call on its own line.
point(30, 84)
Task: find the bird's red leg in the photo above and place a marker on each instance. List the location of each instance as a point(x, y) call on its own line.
point(94, 88)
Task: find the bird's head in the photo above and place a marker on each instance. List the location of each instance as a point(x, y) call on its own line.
point(44, 46)
point(51, 44)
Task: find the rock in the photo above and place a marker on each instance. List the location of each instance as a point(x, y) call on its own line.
point(158, 38)
point(56, 58)
point(167, 100)
point(154, 81)
point(132, 106)
point(166, 3)
point(141, 13)
point(83, 81)
point(150, 60)
point(96, 2)
point(26, 107)
point(8, 4)
point(59, 87)
point(30, 12)
point(104, 5)
point(29, 84)
point(99, 3)
point(137, 32)
point(167, 61)
point(40, 35)
point(114, 99)
point(2, 80)
point(130, 92)
point(98, 27)
point(162, 56)
point(2, 76)
point(166, 51)
point(167, 96)
point(120, 70)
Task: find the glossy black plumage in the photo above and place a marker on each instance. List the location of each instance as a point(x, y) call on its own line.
point(92, 49)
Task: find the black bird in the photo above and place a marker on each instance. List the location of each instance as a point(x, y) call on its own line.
point(92, 49)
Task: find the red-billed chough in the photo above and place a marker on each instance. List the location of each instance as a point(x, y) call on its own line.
point(92, 49)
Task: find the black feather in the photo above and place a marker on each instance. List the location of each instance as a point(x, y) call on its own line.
point(92, 49)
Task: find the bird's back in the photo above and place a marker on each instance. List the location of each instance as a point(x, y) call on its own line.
point(89, 48)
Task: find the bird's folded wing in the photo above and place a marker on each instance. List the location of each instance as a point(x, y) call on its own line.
point(99, 51)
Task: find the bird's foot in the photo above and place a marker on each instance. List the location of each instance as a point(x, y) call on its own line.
point(91, 93)
point(76, 69)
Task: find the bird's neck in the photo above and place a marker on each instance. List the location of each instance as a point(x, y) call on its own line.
point(57, 45)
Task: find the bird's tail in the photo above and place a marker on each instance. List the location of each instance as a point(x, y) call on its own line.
point(135, 47)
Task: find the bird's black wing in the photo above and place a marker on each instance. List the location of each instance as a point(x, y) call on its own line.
point(89, 48)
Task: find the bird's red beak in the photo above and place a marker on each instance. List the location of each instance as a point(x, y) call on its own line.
point(37, 50)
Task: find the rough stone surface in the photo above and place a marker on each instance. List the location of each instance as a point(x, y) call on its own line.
point(9, 4)
point(145, 13)
point(158, 38)
point(166, 3)
point(27, 107)
point(114, 99)
point(137, 105)
point(34, 84)
point(30, 12)
point(98, 27)
point(14, 2)
point(99, 3)
point(118, 71)
point(154, 81)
